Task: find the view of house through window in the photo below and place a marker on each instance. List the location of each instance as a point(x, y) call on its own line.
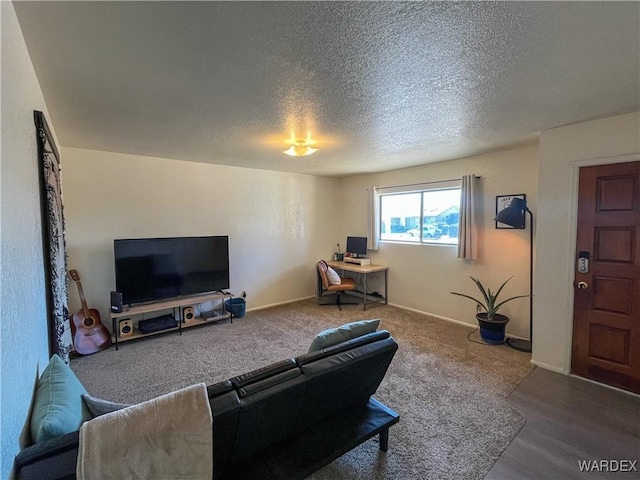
point(428, 216)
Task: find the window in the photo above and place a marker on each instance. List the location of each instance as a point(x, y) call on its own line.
point(425, 216)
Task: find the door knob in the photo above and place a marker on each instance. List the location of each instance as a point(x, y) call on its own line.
point(583, 285)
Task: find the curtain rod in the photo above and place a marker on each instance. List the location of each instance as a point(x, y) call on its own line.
point(424, 183)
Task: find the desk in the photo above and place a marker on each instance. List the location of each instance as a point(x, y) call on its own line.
point(365, 270)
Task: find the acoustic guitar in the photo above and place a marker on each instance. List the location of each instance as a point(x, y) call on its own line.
point(90, 334)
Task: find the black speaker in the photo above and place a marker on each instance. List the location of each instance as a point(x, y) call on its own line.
point(116, 302)
point(187, 314)
point(125, 327)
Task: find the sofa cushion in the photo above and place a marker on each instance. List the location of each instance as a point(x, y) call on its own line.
point(58, 407)
point(269, 409)
point(342, 347)
point(269, 382)
point(343, 379)
point(225, 410)
point(219, 388)
point(333, 336)
point(262, 373)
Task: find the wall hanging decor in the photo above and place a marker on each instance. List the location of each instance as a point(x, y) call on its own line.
point(53, 241)
point(502, 202)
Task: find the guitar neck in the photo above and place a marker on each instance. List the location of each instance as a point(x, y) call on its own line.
point(83, 300)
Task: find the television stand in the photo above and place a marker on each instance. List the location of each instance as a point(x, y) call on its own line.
point(176, 305)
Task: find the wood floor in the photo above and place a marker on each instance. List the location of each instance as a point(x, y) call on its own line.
point(570, 420)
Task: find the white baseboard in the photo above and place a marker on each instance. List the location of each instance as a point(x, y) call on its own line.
point(465, 324)
point(546, 366)
point(439, 317)
point(262, 307)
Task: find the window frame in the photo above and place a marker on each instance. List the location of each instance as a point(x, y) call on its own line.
point(413, 189)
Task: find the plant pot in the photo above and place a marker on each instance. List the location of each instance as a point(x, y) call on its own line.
point(492, 331)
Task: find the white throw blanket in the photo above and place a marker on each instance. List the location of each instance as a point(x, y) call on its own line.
point(168, 437)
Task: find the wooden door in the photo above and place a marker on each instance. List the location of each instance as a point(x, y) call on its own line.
point(606, 318)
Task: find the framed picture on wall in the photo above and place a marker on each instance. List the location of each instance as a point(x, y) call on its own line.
point(502, 202)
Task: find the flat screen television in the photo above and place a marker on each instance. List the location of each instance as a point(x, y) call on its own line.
point(357, 246)
point(151, 269)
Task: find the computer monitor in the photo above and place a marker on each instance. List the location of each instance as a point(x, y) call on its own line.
point(357, 246)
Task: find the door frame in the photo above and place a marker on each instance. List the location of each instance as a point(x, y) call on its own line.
point(573, 233)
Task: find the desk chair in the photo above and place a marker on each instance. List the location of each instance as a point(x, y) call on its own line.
point(347, 284)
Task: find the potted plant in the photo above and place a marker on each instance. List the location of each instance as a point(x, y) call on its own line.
point(492, 324)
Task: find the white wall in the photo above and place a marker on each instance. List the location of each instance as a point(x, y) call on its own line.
point(562, 152)
point(421, 276)
point(279, 224)
point(23, 326)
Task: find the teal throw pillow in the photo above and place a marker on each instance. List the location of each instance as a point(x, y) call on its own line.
point(333, 336)
point(58, 408)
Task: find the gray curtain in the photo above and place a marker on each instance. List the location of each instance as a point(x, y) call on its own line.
point(374, 219)
point(468, 225)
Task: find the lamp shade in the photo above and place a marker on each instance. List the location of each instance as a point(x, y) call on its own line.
point(513, 215)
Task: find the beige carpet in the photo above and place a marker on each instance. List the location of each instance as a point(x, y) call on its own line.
point(450, 392)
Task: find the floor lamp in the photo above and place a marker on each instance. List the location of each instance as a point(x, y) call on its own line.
point(514, 216)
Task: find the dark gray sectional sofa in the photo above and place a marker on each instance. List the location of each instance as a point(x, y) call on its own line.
point(283, 421)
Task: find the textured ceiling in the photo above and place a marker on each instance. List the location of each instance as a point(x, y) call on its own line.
point(380, 85)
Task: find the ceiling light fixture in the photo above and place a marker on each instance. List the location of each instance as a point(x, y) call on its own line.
point(300, 147)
